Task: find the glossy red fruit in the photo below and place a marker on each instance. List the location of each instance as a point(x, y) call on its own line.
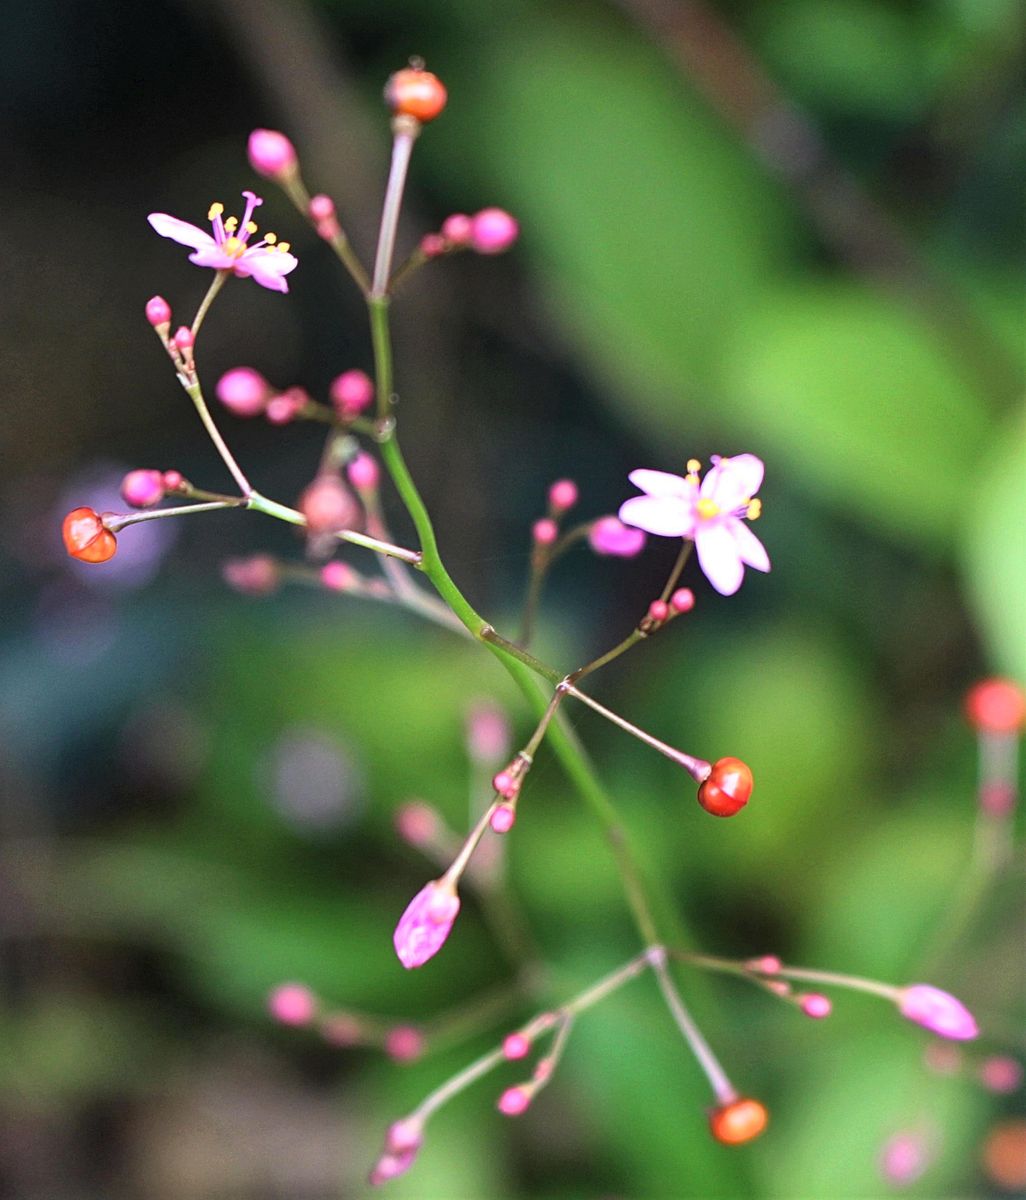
point(727, 789)
point(996, 706)
point(738, 1122)
point(86, 538)
point(415, 93)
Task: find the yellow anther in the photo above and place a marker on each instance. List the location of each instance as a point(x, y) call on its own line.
point(232, 224)
point(216, 210)
point(694, 466)
point(692, 479)
point(707, 508)
point(270, 238)
point(754, 511)
point(251, 226)
point(284, 246)
point(234, 246)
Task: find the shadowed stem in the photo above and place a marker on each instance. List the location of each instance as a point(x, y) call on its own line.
point(406, 131)
point(296, 191)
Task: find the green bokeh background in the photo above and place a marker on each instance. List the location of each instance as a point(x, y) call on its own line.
point(699, 272)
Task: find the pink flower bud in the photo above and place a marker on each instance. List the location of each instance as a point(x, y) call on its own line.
point(505, 784)
point(493, 231)
point(363, 472)
point(328, 505)
point(458, 229)
point(338, 576)
point(243, 391)
point(284, 408)
point(816, 1006)
point(609, 535)
point(292, 1004)
point(658, 611)
point(502, 818)
point(768, 964)
point(682, 600)
point(417, 823)
point(391, 1166)
point(143, 488)
point(544, 532)
point(514, 1101)
point(563, 495)
point(488, 733)
point(432, 245)
point(272, 154)
point(256, 576)
point(173, 480)
point(426, 923)
point(405, 1135)
point(183, 338)
point(904, 1157)
point(158, 313)
point(515, 1046)
point(404, 1043)
point(351, 393)
point(322, 208)
point(1001, 1074)
point(937, 1011)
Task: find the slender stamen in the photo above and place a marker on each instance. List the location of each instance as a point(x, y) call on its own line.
point(252, 201)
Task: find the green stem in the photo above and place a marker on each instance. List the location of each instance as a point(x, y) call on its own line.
point(282, 512)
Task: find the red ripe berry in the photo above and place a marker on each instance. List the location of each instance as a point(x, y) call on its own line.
point(727, 789)
point(738, 1122)
point(415, 93)
point(996, 706)
point(86, 538)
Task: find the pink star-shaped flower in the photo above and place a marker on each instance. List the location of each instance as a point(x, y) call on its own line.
point(227, 249)
point(710, 512)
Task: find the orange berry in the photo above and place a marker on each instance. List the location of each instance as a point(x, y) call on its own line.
point(727, 789)
point(415, 92)
point(996, 706)
point(738, 1122)
point(86, 538)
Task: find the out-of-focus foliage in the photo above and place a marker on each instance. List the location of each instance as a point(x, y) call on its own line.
point(674, 293)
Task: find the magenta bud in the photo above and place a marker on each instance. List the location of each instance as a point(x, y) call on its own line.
point(404, 1135)
point(563, 495)
point(183, 338)
point(432, 245)
point(256, 576)
point(505, 784)
point(158, 312)
point(682, 600)
point(610, 536)
point(351, 392)
point(272, 154)
point(338, 576)
point(322, 208)
point(768, 964)
point(488, 733)
point(282, 409)
point(143, 488)
point(426, 923)
point(1001, 1074)
point(492, 231)
point(328, 505)
point(816, 1006)
point(243, 391)
point(544, 532)
point(417, 823)
point(292, 1004)
point(514, 1101)
point(658, 611)
point(173, 481)
point(391, 1166)
point(937, 1011)
point(904, 1157)
point(516, 1045)
point(363, 472)
point(458, 229)
point(502, 818)
point(404, 1043)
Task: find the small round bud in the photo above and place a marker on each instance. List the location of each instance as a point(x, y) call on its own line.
point(739, 1121)
point(244, 391)
point(328, 505)
point(816, 1006)
point(493, 231)
point(488, 732)
point(254, 576)
point(999, 1073)
point(173, 481)
point(87, 538)
point(322, 208)
point(143, 488)
point(457, 229)
point(351, 392)
point(292, 1004)
point(563, 495)
point(432, 245)
point(183, 338)
point(404, 1043)
point(416, 93)
point(338, 576)
point(503, 818)
point(514, 1101)
point(658, 611)
point(515, 1046)
point(682, 600)
point(272, 154)
point(417, 823)
point(768, 964)
point(405, 1135)
point(544, 532)
point(727, 789)
point(610, 536)
point(284, 408)
point(363, 472)
point(996, 706)
point(158, 312)
point(505, 784)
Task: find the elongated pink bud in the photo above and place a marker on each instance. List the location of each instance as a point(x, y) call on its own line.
point(272, 154)
point(426, 923)
point(937, 1011)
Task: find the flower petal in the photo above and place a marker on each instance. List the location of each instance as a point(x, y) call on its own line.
point(733, 481)
point(660, 483)
point(180, 231)
point(212, 256)
point(752, 551)
point(268, 267)
point(719, 557)
point(667, 516)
